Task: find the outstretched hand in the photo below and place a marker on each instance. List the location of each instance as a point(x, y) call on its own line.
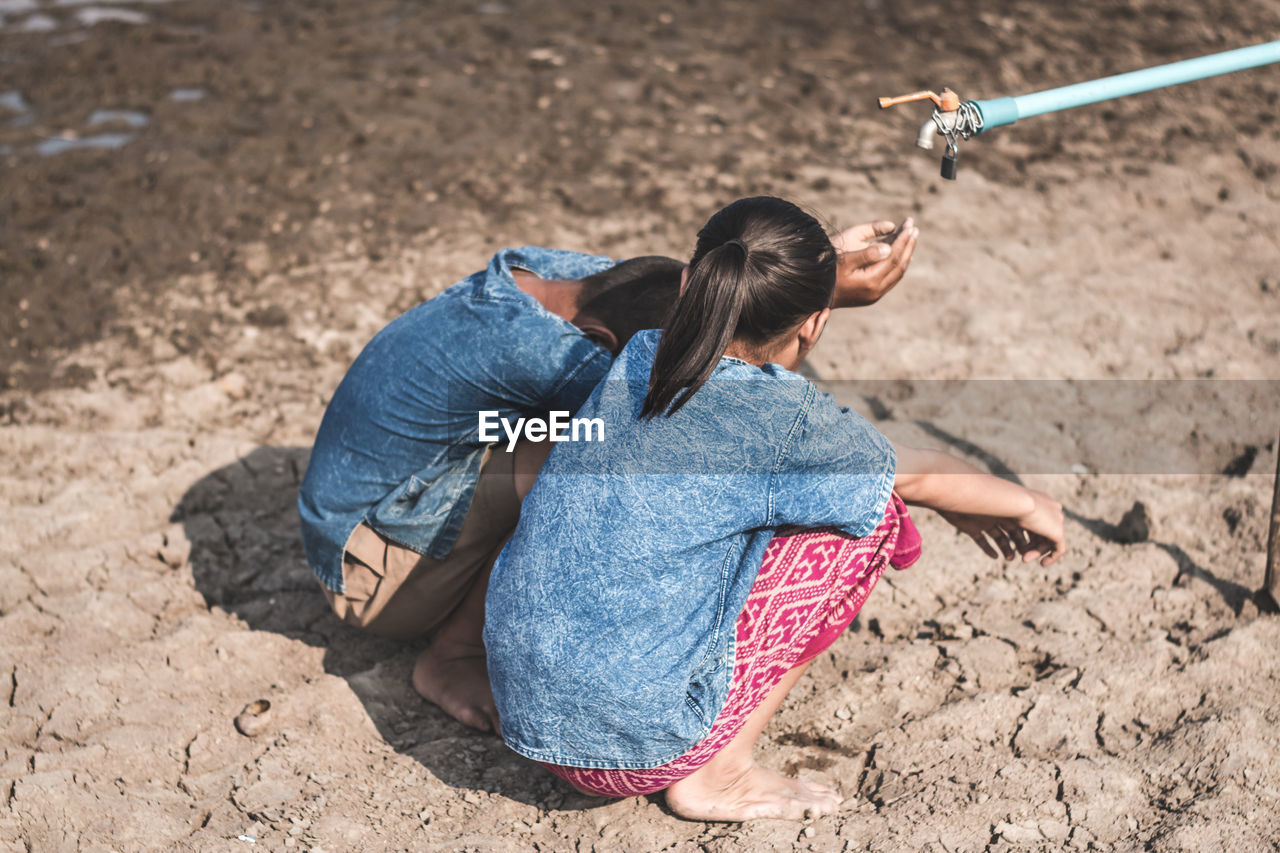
point(1037, 536)
point(868, 270)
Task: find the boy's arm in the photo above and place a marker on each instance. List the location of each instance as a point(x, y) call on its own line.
point(978, 504)
point(866, 268)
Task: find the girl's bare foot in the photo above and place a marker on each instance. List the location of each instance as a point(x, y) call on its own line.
point(756, 792)
point(455, 676)
point(731, 786)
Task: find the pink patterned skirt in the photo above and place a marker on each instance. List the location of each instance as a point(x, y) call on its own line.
point(811, 585)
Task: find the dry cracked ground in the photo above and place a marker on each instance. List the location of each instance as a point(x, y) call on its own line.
point(152, 585)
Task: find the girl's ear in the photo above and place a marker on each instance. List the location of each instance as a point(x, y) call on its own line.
point(684, 278)
point(811, 329)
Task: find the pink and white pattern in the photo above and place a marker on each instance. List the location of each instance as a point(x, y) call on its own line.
point(811, 585)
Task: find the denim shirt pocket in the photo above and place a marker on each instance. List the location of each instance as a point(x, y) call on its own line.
point(425, 512)
point(709, 690)
point(696, 700)
point(709, 685)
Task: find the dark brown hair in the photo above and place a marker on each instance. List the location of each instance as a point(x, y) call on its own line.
point(761, 266)
point(632, 295)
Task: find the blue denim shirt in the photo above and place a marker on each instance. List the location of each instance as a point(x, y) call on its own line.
point(610, 617)
point(398, 447)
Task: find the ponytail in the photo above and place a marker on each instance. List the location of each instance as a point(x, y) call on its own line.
point(760, 267)
point(701, 328)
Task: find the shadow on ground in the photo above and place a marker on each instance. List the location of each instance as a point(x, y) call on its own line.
point(247, 558)
point(1131, 529)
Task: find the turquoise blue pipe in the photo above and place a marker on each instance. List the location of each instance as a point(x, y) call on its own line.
point(1002, 111)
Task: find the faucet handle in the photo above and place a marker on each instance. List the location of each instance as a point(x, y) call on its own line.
point(946, 102)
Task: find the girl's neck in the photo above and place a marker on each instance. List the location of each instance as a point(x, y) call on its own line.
point(779, 352)
point(743, 352)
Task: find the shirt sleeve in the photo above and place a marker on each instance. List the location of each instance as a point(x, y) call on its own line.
point(538, 364)
point(836, 470)
point(535, 361)
point(582, 377)
point(580, 367)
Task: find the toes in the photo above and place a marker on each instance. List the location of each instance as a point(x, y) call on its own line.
point(820, 799)
point(473, 717)
point(830, 805)
point(490, 714)
point(758, 794)
point(819, 789)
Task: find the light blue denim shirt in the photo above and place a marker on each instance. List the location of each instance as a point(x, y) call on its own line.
point(399, 448)
point(610, 617)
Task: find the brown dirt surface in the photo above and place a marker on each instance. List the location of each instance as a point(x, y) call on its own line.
point(177, 309)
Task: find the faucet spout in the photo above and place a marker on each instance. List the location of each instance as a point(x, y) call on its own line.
point(924, 139)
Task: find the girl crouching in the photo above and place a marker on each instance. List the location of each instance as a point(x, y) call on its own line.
point(667, 587)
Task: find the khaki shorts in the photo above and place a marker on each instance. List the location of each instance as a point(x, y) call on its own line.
point(394, 592)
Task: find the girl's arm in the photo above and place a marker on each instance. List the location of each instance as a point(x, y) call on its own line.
point(980, 505)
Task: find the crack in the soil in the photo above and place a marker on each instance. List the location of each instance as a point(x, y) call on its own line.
point(31, 599)
point(1060, 794)
point(204, 822)
point(1022, 721)
point(34, 580)
point(39, 732)
point(1106, 629)
point(1097, 736)
point(186, 752)
point(868, 764)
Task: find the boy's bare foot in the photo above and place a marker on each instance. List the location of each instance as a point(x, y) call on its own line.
point(455, 676)
point(452, 672)
point(754, 793)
